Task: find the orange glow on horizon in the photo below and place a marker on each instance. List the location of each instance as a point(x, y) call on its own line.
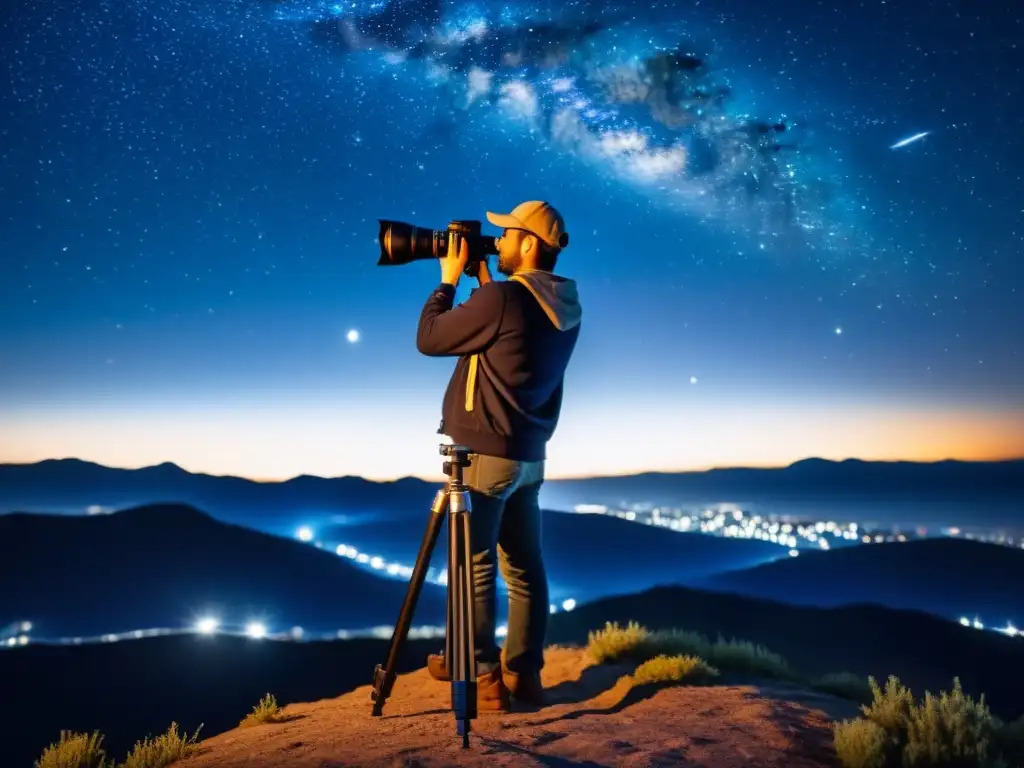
point(268, 445)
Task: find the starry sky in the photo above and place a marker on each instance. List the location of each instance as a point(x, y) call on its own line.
point(189, 195)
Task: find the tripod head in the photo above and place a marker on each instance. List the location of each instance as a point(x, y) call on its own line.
point(459, 460)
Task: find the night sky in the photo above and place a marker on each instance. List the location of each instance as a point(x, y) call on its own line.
point(189, 194)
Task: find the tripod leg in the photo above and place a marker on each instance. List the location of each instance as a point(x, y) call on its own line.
point(384, 676)
point(460, 591)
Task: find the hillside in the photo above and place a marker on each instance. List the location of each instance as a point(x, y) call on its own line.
point(591, 556)
point(995, 490)
point(168, 565)
point(134, 688)
point(946, 576)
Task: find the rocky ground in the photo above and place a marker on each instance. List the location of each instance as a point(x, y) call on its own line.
point(594, 718)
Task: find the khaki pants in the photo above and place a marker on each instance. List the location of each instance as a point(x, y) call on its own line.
point(506, 531)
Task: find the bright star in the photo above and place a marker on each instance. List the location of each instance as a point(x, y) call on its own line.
point(352, 336)
point(839, 331)
point(693, 379)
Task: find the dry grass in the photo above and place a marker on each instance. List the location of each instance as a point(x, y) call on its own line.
point(636, 644)
point(81, 750)
point(691, 670)
point(75, 750)
point(162, 750)
point(266, 711)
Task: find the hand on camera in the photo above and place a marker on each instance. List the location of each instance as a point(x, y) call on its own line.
point(454, 262)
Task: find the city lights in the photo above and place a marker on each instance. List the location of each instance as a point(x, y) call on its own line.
point(207, 625)
point(727, 520)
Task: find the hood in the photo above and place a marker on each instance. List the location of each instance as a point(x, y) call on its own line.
point(556, 295)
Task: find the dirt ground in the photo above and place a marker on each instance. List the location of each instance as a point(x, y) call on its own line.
point(594, 718)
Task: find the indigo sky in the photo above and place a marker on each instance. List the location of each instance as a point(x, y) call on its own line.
point(189, 194)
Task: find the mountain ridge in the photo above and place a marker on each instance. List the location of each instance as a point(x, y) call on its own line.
point(166, 565)
point(808, 462)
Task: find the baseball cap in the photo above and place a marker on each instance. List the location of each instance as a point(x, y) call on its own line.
point(536, 217)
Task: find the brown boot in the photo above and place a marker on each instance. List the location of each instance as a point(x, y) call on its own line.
point(525, 687)
point(437, 667)
point(491, 691)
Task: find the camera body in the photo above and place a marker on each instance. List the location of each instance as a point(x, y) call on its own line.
point(401, 243)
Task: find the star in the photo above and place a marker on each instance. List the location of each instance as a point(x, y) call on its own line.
point(352, 336)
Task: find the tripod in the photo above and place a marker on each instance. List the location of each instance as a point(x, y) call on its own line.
point(460, 647)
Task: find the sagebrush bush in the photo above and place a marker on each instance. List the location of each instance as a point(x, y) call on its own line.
point(634, 643)
point(75, 750)
point(950, 730)
point(162, 750)
point(615, 643)
point(673, 642)
point(860, 743)
point(674, 669)
point(749, 658)
point(844, 685)
point(266, 711)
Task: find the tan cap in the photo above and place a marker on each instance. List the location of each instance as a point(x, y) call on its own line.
point(536, 217)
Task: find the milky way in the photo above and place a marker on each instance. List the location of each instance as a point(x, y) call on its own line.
point(636, 98)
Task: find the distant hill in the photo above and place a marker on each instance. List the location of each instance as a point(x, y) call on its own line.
point(590, 556)
point(946, 576)
point(138, 687)
point(851, 479)
point(166, 565)
point(71, 485)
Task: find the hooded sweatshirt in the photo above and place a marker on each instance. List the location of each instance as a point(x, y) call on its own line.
point(514, 339)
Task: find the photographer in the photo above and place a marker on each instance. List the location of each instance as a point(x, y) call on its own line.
point(514, 339)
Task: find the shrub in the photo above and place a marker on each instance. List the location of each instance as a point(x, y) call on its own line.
point(266, 711)
point(845, 685)
point(75, 750)
point(950, 730)
point(673, 642)
point(742, 656)
point(636, 644)
point(674, 669)
point(163, 750)
point(860, 743)
point(615, 643)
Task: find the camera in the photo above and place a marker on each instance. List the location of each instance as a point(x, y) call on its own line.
point(401, 243)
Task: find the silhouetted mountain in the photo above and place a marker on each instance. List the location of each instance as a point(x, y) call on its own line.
point(133, 688)
point(851, 479)
point(993, 490)
point(167, 565)
point(946, 576)
point(70, 485)
point(588, 556)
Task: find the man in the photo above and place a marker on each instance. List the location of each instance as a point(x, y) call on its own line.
point(513, 339)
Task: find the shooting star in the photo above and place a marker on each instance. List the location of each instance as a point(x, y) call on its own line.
point(910, 140)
